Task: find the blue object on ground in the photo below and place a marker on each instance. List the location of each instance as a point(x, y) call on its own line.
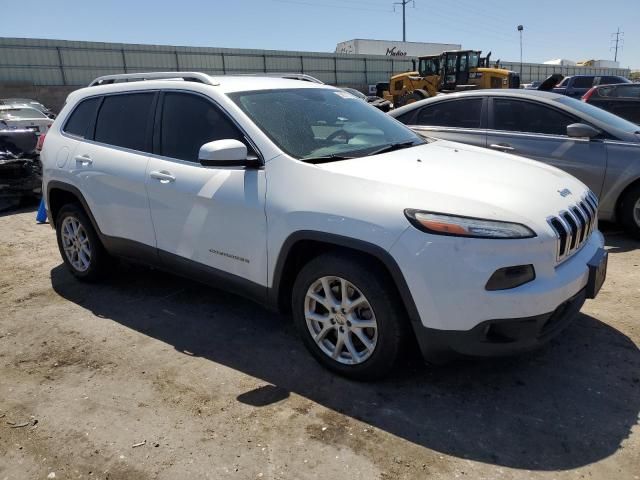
point(41, 217)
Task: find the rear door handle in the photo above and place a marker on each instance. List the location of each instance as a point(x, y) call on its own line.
point(83, 159)
point(502, 146)
point(163, 176)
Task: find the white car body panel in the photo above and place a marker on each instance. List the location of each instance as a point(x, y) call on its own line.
point(213, 216)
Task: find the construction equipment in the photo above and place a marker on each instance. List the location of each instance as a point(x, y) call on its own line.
point(451, 71)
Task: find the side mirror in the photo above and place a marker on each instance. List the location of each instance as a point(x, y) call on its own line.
point(226, 153)
point(581, 130)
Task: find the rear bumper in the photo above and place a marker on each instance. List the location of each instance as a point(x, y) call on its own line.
point(505, 336)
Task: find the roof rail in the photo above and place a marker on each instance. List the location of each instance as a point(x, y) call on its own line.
point(137, 77)
point(287, 75)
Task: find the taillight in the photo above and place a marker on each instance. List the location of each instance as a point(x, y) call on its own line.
point(587, 96)
point(40, 141)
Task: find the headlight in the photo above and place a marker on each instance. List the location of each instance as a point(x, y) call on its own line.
point(457, 226)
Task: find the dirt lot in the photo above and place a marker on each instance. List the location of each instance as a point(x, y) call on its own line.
point(219, 388)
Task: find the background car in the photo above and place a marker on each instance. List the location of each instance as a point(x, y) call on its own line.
point(379, 103)
point(578, 85)
point(20, 168)
point(622, 99)
point(29, 103)
point(21, 116)
point(599, 148)
point(532, 85)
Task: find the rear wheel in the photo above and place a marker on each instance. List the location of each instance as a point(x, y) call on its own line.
point(630, 211)
point(348, 316)
point(79, 245)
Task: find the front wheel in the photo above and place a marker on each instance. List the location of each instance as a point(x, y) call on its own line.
point(348, 315)
point(630, 211)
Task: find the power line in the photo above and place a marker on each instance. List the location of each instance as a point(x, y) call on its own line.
point(619, 43)
point(404, 4)
point(323, 5)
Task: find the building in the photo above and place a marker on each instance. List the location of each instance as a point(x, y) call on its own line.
point(561, 61)
point(392, 48)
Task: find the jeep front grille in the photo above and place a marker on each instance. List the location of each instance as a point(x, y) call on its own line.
point(574, 225)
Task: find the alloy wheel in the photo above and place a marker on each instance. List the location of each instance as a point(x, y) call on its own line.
point(340, 320)
point(76, 244)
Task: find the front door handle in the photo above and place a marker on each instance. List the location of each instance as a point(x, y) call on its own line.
point(502, 146)
point(83, 160)
point(163, 176)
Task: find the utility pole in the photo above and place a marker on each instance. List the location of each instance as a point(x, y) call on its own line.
point(404, 4)
point(520, 29)
point(618, 40)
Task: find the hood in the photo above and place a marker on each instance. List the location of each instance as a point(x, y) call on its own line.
point(459, 179)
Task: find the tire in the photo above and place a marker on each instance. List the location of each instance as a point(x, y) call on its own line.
point(82, 253)
point(630, 211)
point(416, 96)
point(379, 306)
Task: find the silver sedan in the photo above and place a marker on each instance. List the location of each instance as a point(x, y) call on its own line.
point(599, 148)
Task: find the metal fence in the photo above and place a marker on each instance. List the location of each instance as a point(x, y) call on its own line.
point(66, 63)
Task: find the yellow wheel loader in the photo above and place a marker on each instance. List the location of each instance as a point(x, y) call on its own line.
point(451, 71)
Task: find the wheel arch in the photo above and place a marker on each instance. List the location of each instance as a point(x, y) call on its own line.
point(618, 205)
point(302, 246)
point(60, 194)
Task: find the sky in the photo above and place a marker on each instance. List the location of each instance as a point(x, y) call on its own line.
point(575, 30)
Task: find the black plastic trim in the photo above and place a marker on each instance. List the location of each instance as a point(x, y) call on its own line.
point(54, 184)
point(505, 336)
point(341, 241)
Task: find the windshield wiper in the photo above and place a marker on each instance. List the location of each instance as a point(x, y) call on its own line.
point(393, 146)
point(327, 158)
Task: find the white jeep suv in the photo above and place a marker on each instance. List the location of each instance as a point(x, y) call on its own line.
point(302, 197)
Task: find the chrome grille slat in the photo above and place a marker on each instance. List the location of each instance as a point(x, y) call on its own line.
point(574, 226)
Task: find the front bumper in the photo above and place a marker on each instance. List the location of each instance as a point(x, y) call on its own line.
point(446, 278)
point(504, 336)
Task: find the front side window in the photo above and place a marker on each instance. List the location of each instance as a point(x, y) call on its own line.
point(626, 91)
point(453, 113)
point(583, 82)
point(429, 66)
point(81, 117)
point(188, 122)
point(308, 123)
point(520, 116)
point(598, 114)
point(123, 119)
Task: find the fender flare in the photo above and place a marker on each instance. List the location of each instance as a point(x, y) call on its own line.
point(362, 246)
point(57, 185)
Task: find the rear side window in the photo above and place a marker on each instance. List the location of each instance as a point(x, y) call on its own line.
point(582, 82)
point(519, 116)
point(81, 117)
point(188, 122)
point(123, 119)
point(456, 113)
point(407, 118)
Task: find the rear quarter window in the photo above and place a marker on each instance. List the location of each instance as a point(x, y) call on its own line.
point(81, 117)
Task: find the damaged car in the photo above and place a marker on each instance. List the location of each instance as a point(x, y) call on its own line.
point(20, 167)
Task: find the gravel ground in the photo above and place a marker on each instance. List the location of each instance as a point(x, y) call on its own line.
point(209, 385)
